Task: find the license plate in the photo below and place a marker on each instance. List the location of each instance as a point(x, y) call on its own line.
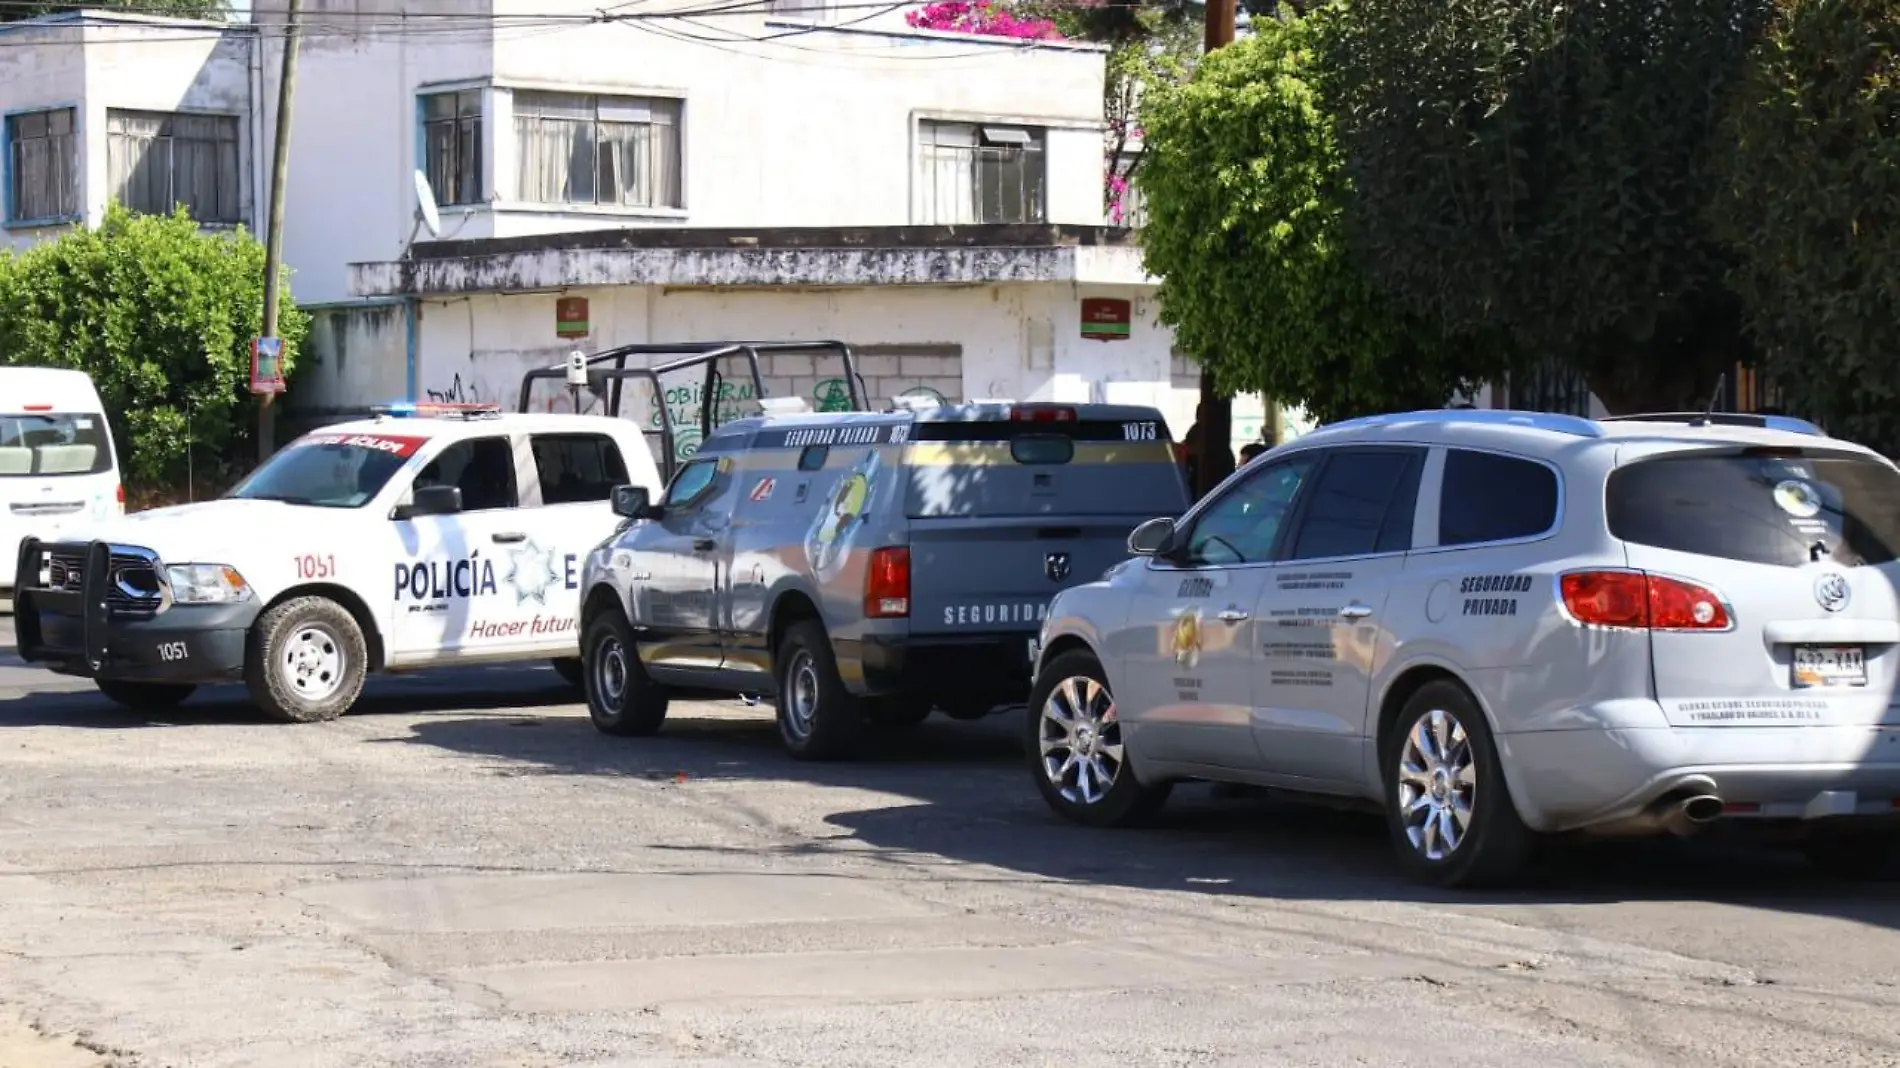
point(1829, 665)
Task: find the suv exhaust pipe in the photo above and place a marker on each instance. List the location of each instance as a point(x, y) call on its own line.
point(1701, 808)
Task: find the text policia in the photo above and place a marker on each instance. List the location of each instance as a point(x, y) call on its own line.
point(506, 594)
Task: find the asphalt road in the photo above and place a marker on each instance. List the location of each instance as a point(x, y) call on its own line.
point(465, 874)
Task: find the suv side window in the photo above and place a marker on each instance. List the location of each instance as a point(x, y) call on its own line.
point(1487, 497)
point(484, 469)
point(690, 484)
point(1243, 526)
point(1361, 503)
point(575, 468)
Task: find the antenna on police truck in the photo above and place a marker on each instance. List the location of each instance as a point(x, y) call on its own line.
point(1708, 414)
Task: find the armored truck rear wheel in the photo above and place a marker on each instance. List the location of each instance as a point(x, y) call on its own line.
point(818, 719)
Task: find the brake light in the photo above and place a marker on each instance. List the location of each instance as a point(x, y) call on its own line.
point(37, 407)
point(1041, 413)
point(121, 492)
point(887, 583)
point(1641, 601)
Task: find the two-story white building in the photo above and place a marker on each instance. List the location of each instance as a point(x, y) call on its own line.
point(774, 169)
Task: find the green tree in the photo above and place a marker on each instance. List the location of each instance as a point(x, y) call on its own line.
point(1246, 228)
point(1811, 209)
point(193, 9)
point(161, 315)
point(1544, 167)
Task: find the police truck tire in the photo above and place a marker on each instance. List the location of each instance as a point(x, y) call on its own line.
point(572, 670)
point(622, 699)
point(818, 718)
point(306, 661)
point(145, 696)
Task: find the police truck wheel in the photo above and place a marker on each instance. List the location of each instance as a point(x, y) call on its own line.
point(818, 719)
point(621, 699)
point(306, 661)
point(572, 670)
point(145, 696)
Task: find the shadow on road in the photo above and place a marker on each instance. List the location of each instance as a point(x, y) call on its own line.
point(433, 691)
point(972, 802)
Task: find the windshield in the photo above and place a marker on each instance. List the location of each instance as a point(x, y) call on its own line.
point(42, 444)
point(329, 470)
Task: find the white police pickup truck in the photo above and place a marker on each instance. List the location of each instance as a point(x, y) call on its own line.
point(425, 536)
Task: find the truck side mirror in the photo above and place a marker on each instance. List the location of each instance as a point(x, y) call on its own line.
point(632, 502)
point(435, 500)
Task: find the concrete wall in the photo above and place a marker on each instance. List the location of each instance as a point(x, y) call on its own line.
point(354, 356)
point(813, 130)
point(130, 63)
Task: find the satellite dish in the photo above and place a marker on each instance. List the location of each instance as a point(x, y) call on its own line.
point(425, 205)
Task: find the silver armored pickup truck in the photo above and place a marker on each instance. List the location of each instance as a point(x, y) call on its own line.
point(864, 566)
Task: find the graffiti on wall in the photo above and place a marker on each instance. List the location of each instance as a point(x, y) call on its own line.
point(459, 390)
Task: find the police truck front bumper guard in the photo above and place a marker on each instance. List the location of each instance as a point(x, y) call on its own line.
point(104, 611)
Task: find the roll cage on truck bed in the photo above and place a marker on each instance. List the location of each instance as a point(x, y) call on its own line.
point(720, 401)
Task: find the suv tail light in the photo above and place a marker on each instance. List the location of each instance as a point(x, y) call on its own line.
point(1041, 413)
point(887, 583)
point(1642, 601)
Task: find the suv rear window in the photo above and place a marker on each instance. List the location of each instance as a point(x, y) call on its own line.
point(35, 444)
point(1781, 507)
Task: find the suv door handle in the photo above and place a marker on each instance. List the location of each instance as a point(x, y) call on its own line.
point(508, 536)
point(704, 545)
point(1234, 615)
point(1355, 611)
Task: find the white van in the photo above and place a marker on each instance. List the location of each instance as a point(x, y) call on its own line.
point(58, 466)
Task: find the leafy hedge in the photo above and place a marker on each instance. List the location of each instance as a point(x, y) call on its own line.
point(1247, 231)
point(1812, 209)
point(1646, 195)
point(161, 314)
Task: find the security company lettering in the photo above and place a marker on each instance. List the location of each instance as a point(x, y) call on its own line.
point(964, 615)
point(858, 434)
point(530, 572)
point(1493, 606)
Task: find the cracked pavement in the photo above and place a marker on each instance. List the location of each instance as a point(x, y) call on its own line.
point(465, 873)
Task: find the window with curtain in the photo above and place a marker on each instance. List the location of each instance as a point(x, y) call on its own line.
point(43, 161)
point(452, 145)
point(157, 160)
point(980, 173)
point(617, 150)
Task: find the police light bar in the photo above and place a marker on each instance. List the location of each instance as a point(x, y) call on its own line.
point(411, 409)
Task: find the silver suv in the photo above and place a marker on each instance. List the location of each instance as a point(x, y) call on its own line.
point(1502, 625)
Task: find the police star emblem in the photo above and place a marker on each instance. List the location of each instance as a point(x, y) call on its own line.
point(531, 572)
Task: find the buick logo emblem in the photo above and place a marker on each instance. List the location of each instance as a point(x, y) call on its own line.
point(1832, 591)
point(1056, 566)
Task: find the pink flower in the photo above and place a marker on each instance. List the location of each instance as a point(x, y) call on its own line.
point(989, 18)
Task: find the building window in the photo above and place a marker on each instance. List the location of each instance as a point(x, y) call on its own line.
point(619, 150)
point(980, 174)
point(157, 160)
point(42, 158)
point(452, 145)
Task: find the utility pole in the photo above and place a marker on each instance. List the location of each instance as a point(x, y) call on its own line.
point(1215, 413)
point(274, 235)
